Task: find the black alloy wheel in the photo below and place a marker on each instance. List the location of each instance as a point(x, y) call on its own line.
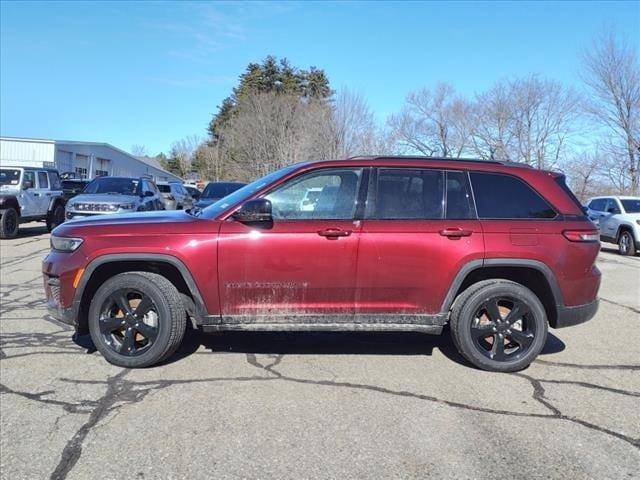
point(129, 322)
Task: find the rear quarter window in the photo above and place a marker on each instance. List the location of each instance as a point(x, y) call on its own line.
point(505, 196)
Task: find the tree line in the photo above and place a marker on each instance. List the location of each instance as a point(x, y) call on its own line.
point(279, 115)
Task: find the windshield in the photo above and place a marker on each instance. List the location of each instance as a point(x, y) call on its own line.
point(631, 205)
point(243, 193)
point(9, 177)
point(123, 186)
point(220, 189)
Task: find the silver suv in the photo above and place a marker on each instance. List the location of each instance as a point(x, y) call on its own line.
point(175, 196)
point(29, 194)
point(619, 221)
point(106, 195)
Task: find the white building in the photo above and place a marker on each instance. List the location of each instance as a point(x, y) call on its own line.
point(85, 160)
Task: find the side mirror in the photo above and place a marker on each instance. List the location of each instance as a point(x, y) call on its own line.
point(27, 184)
point(148, 193)
point(255, 211)
point(611, 210)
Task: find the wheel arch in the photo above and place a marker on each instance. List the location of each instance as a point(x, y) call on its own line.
point(625, 227)
point(104, 267)
point(534, 275)
point(54, 202)
point(11, 201)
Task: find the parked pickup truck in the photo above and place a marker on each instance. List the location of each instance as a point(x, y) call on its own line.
point(29, 195)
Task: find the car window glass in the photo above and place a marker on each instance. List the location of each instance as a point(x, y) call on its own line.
point(403, 193)
point(29, 176)
point(337, 198)
point(631, 205)
point(597, 204)
point(55, 180)
point(459, 201)
point(612, 207)
point(43, 181)
point(505, 196)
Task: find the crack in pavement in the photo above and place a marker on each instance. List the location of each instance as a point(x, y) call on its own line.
point(633, 309)
point(588, 367)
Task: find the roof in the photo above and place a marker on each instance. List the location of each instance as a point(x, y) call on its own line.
point(440, 159)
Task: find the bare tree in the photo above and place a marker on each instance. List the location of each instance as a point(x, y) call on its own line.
point(182, 152)
point(139, 151)
point(612, 75)
point(584, 172)
point(433, 122)
point(271, 130)
point(491, 119)
point(353, 128)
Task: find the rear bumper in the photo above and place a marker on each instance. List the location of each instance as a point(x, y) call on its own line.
point(569, 316)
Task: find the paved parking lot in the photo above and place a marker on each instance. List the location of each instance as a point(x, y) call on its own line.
point(315, 405)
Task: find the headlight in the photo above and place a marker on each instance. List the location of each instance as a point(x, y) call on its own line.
point(127, 206)
point(65, 244)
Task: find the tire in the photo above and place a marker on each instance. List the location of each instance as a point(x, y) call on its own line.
point(626, 244)
point(111, 330)
point(489, 301)
point(55, 217)
point(9, 223)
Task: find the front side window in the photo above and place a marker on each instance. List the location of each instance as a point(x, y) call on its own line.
point(612, 207)
point(30, 177)
point(598, 204)
point(337, 199)
point(504, 196)
point(55, 180)
point(43, 181)
point(407, 194)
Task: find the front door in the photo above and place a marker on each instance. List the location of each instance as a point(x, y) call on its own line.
point(419, 229)
point(303, 268)
point(29, 197)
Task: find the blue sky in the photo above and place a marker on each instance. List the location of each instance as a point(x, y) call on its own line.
point(150, 73)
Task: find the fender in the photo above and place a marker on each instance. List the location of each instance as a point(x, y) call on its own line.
point(55, 201)
point(201, 314)
point(9, 201)
point(503, 262)
point(625, 226)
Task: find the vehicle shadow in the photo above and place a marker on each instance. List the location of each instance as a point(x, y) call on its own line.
point(332, 343)
point(27, 231)
point(319, 343)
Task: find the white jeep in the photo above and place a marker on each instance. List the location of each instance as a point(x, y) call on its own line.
point(29, 194)
point(619, 221)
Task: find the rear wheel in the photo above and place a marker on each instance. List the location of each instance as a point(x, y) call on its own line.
point(137, 319)
point(499, 325)
point(55, 217)
point(9, 223)
point(626, 244)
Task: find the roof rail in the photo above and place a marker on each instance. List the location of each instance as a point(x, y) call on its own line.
point(439, 159)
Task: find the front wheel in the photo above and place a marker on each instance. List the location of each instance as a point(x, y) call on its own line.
point(9, 223)
point(137, 319)
point(499, 325)
point(55, 217)
point(626, 244)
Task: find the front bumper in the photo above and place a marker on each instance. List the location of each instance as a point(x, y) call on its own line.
point(569, 316)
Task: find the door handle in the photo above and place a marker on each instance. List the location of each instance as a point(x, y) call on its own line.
point(456, 232)
point(334, 233)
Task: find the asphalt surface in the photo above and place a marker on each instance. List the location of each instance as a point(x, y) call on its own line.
point(315, 405)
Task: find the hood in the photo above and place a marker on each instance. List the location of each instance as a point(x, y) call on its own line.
point(106, 198)
point(137, 218)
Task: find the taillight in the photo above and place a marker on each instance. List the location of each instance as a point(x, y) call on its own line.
point(582, 235)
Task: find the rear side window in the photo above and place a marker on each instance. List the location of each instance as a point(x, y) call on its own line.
point(43, 181)
point(407, 194)
point(504, 196)
point(459, 203)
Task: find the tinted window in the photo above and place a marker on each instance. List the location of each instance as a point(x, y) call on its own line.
point(612, 206)
point(598, 204)
point(402, 193)
point(125, 186)
point(337, 199)
point(631, 205)
point(43, 181)
point(55, 180)
point(504, 196)
point(459, 203)
point(164, 188)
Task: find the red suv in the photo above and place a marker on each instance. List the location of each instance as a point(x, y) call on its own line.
point(497, 250)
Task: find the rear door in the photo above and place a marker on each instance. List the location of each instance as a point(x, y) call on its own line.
point(41, 194)
point(419, 230)
point(303, 267)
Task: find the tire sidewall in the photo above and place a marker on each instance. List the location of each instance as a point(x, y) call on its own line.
point(56, 217)
point(137, 282)
point(630, 241)
point(462, 332)
point(10, 212)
